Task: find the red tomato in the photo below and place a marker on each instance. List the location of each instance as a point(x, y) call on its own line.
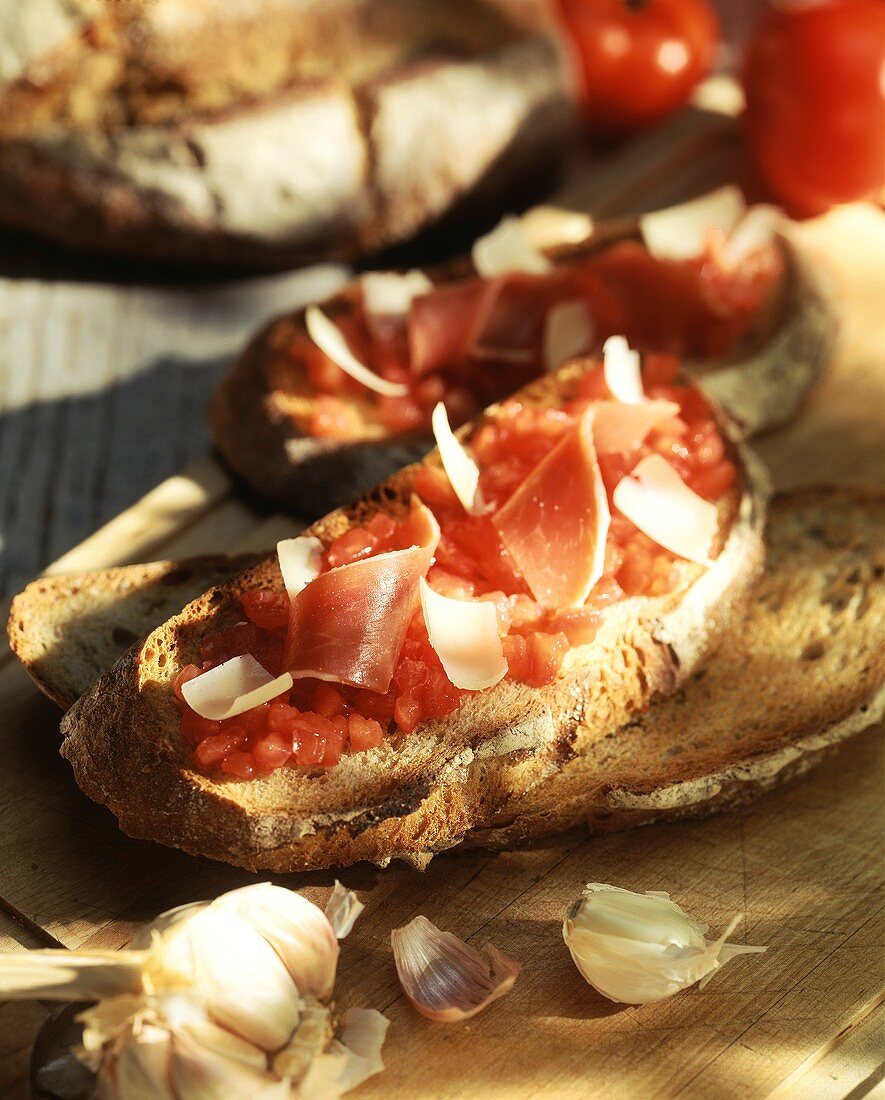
point(815, 119)
point(640, 59)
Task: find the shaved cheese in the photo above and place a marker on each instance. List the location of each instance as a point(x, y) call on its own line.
point(461, 470)
point(388, 294)
point(300, 561)
point(549, 226)
point(464, 634)
point(680, 232)
point(621, 370)
point(506, 249)
point(568, 331)
point(658, 501)
point(330, 340)
point(755, 230)
point(232, 688)
point(619, 428)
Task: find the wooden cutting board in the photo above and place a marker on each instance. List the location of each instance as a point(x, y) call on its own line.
point(803, 864)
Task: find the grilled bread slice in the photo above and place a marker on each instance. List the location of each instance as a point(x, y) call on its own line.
point(419, 792)
point(796, 676)
point(761, 384)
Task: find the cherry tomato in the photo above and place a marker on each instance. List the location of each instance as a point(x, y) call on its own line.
point(814, 80)
point(639, 59)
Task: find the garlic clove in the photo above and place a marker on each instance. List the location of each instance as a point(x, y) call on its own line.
point(342, 910)
point(197, 1073)
point(295, 928)
point(183, 1014)
point(241, 978)
point(349, 1060)
point(443, 977)
point(640, 948)
point(142, 1065)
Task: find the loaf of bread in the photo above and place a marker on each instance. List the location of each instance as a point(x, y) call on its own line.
point(270, 132)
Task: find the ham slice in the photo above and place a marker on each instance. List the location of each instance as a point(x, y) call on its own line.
point(619, 428)
point(348, 625)
point(441, 324)
point(555, 524)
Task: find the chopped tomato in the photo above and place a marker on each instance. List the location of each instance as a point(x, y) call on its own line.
point(266, 608)
point(364, 733)
point(332, 418)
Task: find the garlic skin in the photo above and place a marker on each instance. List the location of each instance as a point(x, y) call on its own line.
point(641, 948)
point(220, 1000)
point(444, 978)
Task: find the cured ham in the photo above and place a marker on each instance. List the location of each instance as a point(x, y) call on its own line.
point(620, 429)
point(348, 625)
point(656, 499)
point(441, 324)
point(555, 524)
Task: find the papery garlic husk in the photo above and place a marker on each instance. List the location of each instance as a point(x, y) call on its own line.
point(349, 1060)
point(220, 1000)
point(640, 948)
point(444, 978)
point(342, 910)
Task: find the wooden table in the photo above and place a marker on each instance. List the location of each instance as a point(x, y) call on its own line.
point(802, 864)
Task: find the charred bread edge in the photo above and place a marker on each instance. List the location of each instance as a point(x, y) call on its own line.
point(156, 797)
point(761, 389)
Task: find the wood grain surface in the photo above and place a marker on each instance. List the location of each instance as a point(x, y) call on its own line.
point(803, 864)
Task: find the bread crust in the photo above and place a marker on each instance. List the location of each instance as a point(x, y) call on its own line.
point(448, 777)
point(311, 169)
point(761, 385)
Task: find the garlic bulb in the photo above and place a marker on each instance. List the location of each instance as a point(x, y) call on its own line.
point(640, 948)
point(444, 978)
point(225, 999)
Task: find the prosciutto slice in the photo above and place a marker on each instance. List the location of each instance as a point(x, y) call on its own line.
point(348, 625)
point(555, 524)
point(620, 429)
point(441, 324)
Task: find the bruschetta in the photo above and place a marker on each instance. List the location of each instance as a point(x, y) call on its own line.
point(741, 725)
point(327, 401)
point(395, 676)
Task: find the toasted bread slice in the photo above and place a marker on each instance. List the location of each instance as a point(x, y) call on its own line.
point(417, 792)
point(68, 628)
point(798, 675)
point(761, 385)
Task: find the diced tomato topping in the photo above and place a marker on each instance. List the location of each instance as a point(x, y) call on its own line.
point(266, 608)
point(402, 414)
point(195, 728)
point(364, 733)
point(353, 545)
point(187, 673)
point(213, 749)
point(328, 700)
point(332, 418)
point(239, 764)
point(271, 751)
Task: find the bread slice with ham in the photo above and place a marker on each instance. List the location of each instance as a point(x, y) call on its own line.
point(267, 414)
point(733, 743)
point(418, 791)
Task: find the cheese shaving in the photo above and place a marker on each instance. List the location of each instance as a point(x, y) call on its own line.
point(232, 688)
point(388, 294)
point(621, 371)
point(680, 232)
point(656, 499)
point(507, 249)
point(464, 634)
point(330, 340)
point(461, 470)
point(549, 226)
point(568, 331)
point(755, 230)
point(300, 561)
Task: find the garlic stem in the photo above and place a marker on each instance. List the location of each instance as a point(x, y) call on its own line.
point(59, 975)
